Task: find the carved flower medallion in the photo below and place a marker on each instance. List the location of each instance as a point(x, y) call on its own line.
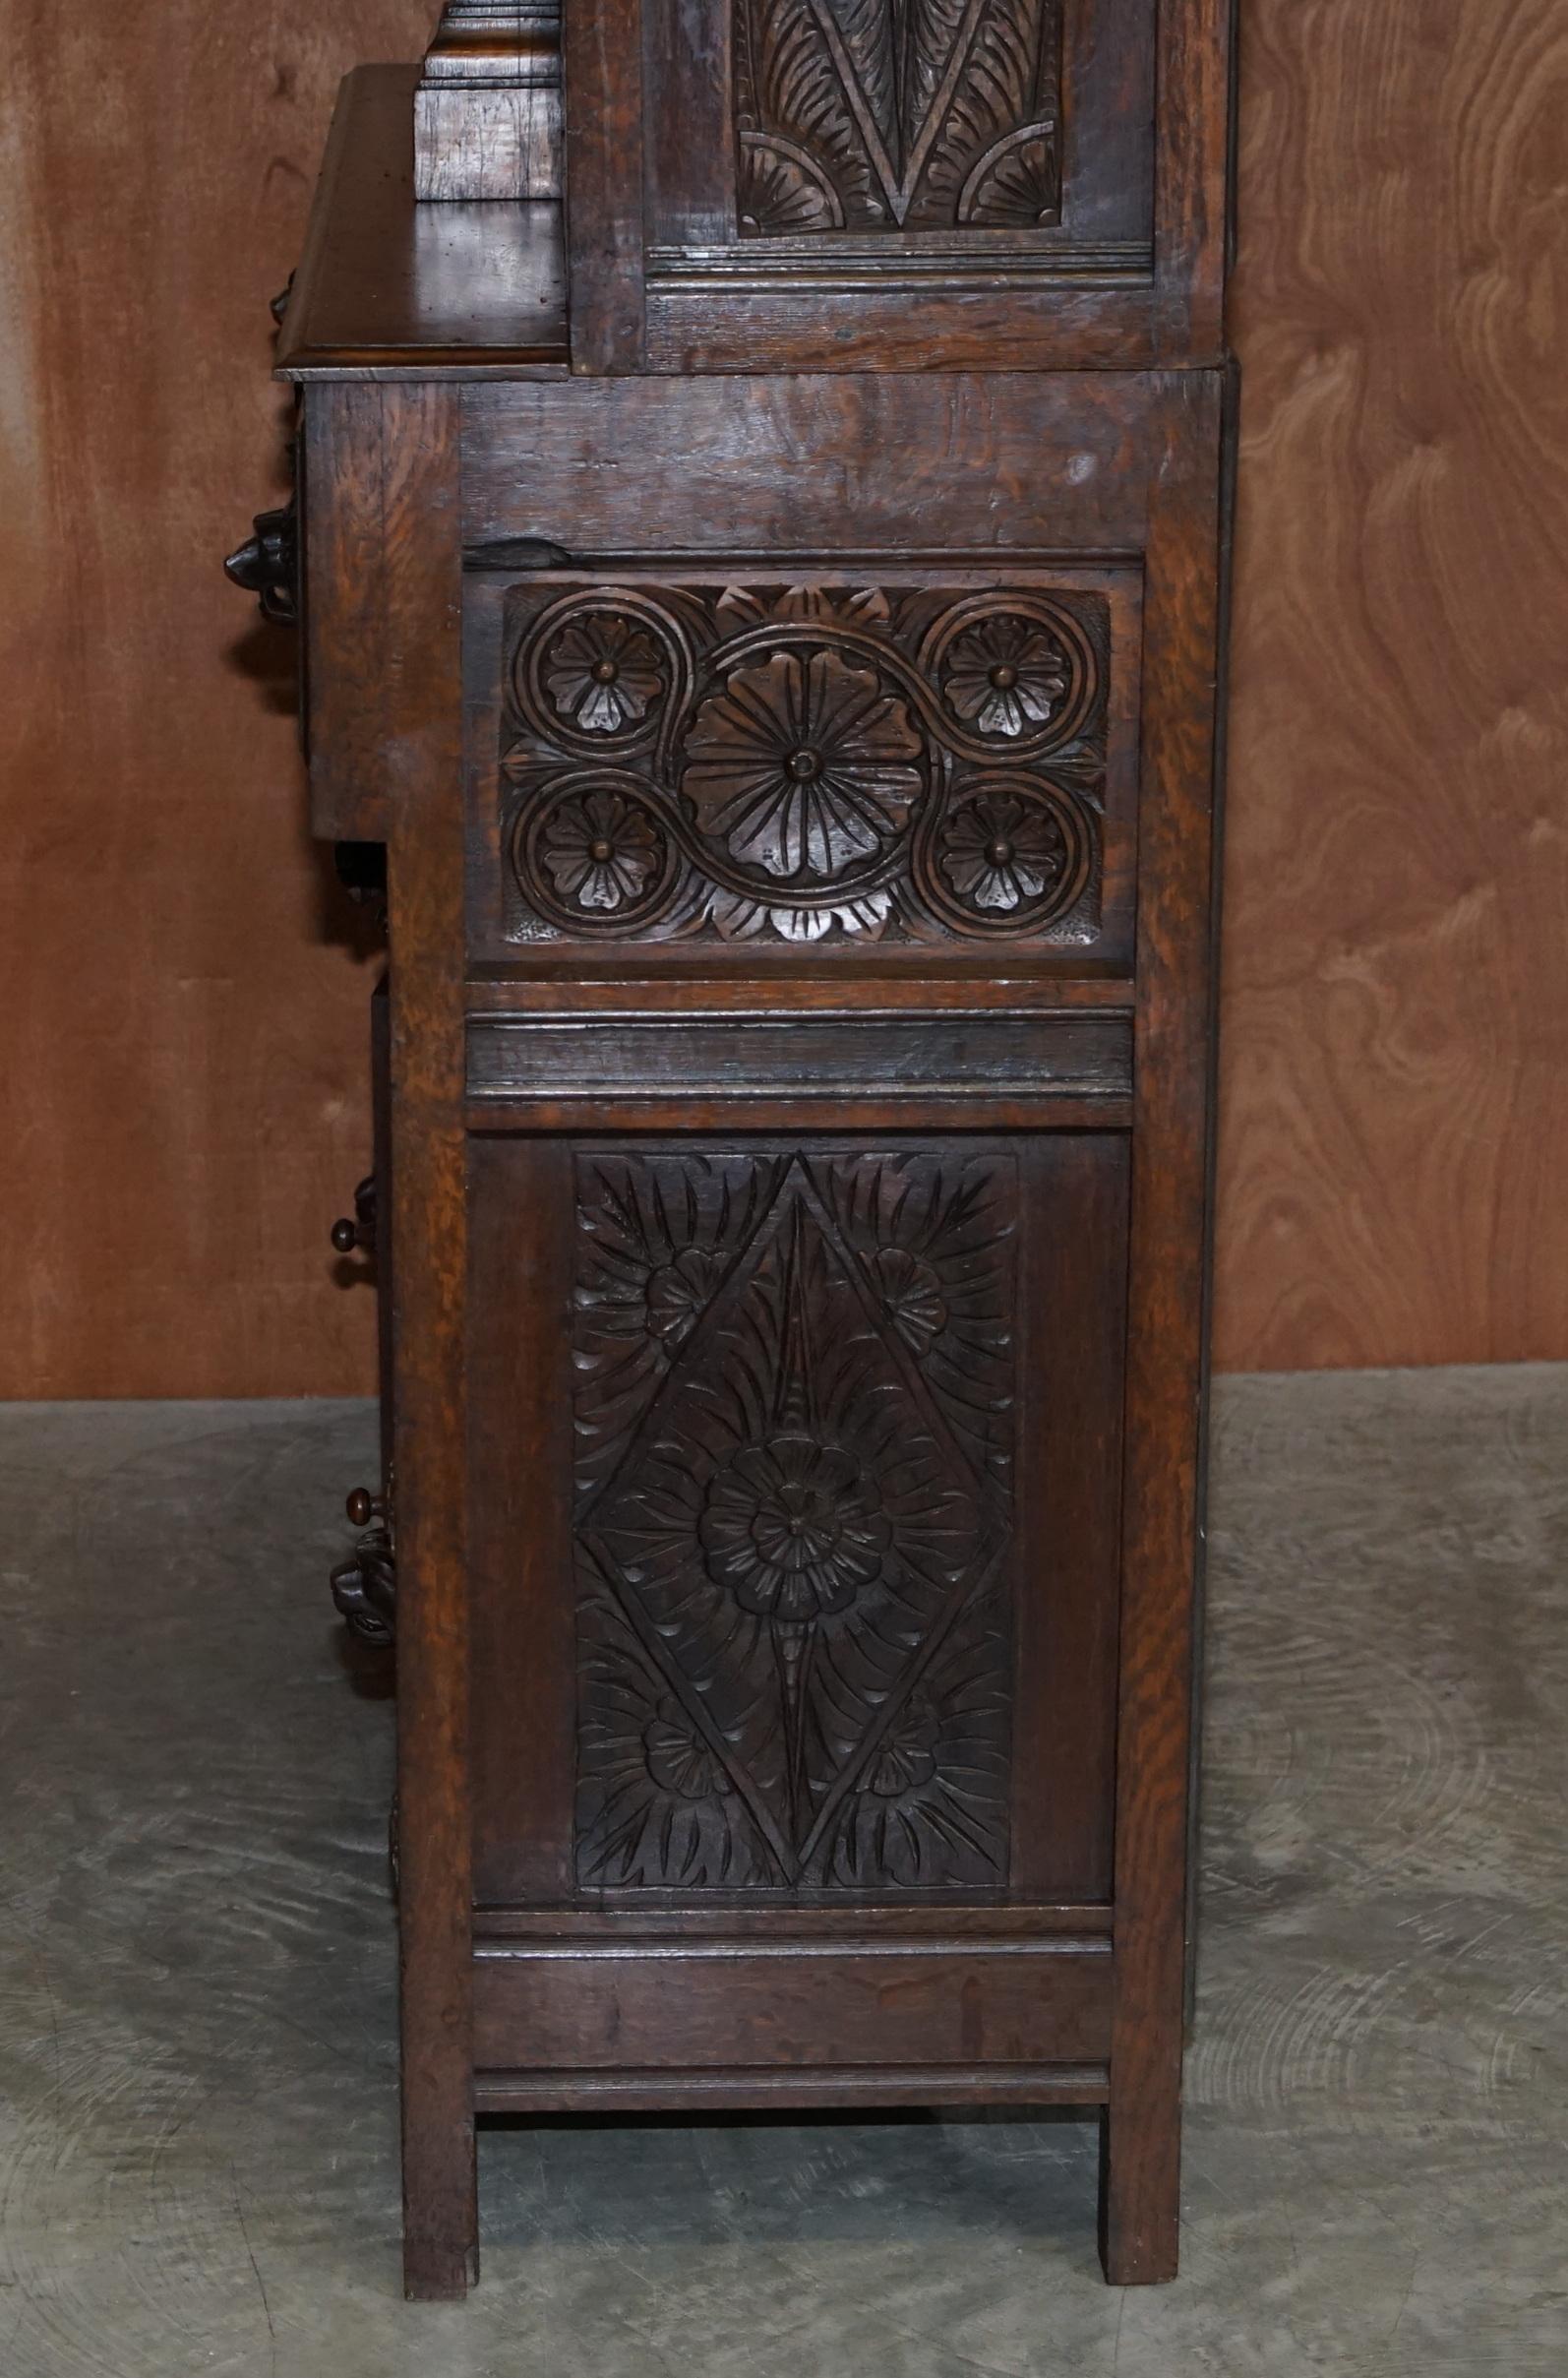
point(1001, 852)
point(602, 672)
point(794, 1529)
point(802, 765)
point(1005, 675)
point(599, 851)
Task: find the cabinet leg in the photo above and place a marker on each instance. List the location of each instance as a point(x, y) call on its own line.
point(441, 2213)
point(1140, 2193)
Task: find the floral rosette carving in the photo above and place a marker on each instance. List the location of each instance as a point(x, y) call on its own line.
point(803, 766)
point(602, 672)
point(912, 1294)
point(788, 1515)
point(679, 1759)
point(597, 852)
point(1016, 674)
point(1005, 675)
point(1012, 855)
point(794, 1529)
point(597, 673)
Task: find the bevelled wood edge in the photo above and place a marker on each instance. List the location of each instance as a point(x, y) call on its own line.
point(1140, 2171)
point(500, 990)
point(634, 1915)
point(914, 1058)
point(421, 690)
point(576, 2092)
point(755, 1955)
point(829, 1111)
point(487, 112)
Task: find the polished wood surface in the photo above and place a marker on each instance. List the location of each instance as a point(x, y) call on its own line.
point(385, 285)
point(1393, 980)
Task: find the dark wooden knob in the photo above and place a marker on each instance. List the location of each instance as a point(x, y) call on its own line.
point(266, 566)
point(358, 1231)
point(363, 1507)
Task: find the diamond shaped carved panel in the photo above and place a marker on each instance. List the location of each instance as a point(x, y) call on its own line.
point(794, 1418)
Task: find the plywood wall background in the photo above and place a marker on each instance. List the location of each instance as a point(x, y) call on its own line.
point(182, 992)
point(1395, 1142)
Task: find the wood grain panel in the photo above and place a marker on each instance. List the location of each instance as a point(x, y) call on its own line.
point(795, 2004)
point(1396, 969)
point(183, 1093)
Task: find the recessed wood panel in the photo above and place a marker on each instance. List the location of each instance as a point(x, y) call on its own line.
point(868, 759)
point(792, 2006)
point(831, 1431)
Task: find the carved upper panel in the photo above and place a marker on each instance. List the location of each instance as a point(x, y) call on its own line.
point(805, 764)
point(794, 1418)
point(897, 115)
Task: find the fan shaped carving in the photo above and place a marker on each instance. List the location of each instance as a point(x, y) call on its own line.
point(879, 114)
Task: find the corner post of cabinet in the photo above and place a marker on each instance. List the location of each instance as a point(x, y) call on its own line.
point(420, 587)
point(1140, 2170)
point(1195, 69)
point(606, 259)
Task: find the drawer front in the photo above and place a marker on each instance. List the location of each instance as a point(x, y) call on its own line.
point(793, 1541)
point(839, 673)
point(923, 764)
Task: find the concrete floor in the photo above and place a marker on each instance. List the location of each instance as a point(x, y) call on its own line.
point(198, 2145)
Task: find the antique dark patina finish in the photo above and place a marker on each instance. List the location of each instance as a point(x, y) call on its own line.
point(767, 607)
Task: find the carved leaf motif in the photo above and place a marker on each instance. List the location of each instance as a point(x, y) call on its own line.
point(994, 95)
point(896, 102)
point(929, 31)
point(798, 94)
point(870, 36)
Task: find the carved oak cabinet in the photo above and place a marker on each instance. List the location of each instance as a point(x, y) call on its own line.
point(760, 555)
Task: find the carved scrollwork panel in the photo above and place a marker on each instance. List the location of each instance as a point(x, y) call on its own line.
point(897, 115)
point(794, 1506)
point(805, 763)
